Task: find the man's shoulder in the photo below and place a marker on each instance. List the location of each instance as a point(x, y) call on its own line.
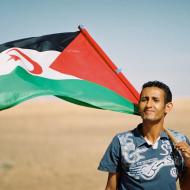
point(126, 136)
point(178, 135)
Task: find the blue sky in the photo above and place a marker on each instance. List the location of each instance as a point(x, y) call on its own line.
point(147, 39)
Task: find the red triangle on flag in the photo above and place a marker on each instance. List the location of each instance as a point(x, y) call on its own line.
point(83, 58)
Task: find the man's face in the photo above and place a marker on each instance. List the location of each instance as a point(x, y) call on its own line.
point(152, 106)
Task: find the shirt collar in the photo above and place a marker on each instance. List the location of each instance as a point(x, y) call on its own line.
point(139, 139)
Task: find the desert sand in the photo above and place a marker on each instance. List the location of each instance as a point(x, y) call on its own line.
point(50, 144)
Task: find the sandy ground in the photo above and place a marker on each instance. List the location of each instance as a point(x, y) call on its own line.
point(53, 145)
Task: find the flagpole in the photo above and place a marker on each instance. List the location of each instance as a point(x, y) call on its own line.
point(109, 62)
point(172, 138)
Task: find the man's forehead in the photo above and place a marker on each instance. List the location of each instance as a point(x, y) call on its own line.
point(152, 91)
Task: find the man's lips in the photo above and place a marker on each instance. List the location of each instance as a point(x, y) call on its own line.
point(149, 111)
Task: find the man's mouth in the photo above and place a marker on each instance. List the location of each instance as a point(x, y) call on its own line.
point(149, 111)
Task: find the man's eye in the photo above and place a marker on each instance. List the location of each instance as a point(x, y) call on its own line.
point(143, 99)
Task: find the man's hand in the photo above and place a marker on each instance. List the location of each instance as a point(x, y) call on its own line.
point(185, 150)
point(184, 179)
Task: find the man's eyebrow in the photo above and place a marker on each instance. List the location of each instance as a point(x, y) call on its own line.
point(144, 96)
point(154, 97)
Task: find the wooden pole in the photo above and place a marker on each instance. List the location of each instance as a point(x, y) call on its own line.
point(172, 138)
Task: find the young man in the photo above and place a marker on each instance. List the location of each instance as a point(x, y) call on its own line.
point(146, 158)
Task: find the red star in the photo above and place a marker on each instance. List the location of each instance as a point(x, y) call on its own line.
point(14, 57)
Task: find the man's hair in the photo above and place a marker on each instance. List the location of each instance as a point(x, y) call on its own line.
point(161, 85)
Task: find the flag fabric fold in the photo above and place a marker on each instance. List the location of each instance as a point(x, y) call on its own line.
point(68, 65)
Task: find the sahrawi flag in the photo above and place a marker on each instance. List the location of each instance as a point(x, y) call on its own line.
point(70, 66)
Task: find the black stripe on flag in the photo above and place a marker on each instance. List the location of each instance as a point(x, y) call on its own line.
point(57, 42)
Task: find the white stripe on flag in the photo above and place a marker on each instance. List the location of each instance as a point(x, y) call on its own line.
point(10, 59)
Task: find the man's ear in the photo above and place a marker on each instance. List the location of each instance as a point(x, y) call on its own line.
point(168, 107)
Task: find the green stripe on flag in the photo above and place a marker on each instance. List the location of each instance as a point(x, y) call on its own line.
point(19, 86)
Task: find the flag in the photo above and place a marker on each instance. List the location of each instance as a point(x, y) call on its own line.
point(70, 66)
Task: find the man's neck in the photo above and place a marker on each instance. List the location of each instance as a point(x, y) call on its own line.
point(152, 130)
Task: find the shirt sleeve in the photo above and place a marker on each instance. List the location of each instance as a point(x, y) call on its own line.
point(111, 159)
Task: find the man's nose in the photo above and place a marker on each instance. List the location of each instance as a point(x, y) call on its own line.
point(149, 103)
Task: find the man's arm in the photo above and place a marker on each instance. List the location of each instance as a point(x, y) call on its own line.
point(112, 183)
point(184, 180)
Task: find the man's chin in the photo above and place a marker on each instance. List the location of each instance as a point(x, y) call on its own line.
point(151, 119)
